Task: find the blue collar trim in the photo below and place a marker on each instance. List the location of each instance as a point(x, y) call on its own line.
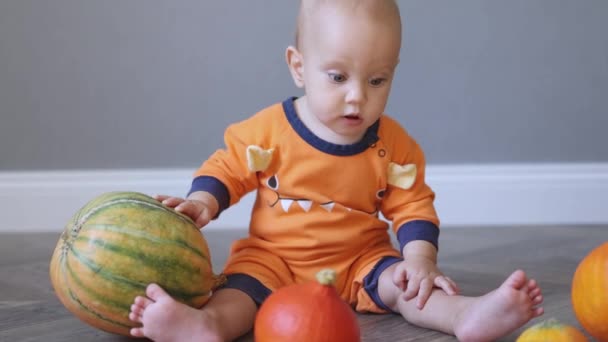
point(370, 137)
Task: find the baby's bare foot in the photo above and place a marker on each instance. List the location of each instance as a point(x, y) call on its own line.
point(501, 311)
point(164, 319)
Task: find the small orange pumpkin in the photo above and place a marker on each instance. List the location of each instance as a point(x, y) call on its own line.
point(590, 292)
point(552, 331)
point(311, 312)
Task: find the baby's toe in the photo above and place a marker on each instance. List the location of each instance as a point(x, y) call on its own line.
point(517, 280)
point(155, 292)
point(537, 312)
point(137, 332)
point(143, 302)
point(534, 292)
point(537, 300)
point(136, 309)
point(135, 317)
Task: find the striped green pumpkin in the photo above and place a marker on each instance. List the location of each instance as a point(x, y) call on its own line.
point(115, 246)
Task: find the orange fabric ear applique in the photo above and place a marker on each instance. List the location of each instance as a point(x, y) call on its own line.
point(402, 176)
point(258, 158)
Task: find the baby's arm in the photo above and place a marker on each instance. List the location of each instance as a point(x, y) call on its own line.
point(418, 273)
point(200, 206)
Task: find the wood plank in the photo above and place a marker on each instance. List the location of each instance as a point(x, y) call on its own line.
point(477, 258)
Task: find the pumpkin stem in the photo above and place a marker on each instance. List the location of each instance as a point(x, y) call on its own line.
point(326, 276)
point(218, 280)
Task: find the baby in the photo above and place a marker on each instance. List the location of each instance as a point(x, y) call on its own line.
point(324, 166)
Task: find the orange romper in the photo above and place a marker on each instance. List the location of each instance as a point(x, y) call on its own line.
point(318, 203)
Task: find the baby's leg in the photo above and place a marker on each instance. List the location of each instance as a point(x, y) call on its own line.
point(228, 315)
point(483, 318)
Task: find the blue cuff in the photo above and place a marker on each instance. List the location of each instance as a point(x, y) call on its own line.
point(371, 280)
point(418, 230)
point(213, 186)
point(248, 284)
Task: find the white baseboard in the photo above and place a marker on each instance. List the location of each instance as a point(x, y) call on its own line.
point(489, 195)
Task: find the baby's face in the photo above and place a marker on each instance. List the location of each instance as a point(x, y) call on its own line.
point(348, 64)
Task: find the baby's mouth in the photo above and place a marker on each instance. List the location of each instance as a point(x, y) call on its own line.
point(352, 117)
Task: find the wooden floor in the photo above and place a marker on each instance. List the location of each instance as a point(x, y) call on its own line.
point(477, 258)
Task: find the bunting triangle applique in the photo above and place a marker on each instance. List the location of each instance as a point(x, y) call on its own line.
point(329, 206)
point(305, 204)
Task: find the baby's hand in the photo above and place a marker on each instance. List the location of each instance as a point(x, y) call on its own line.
point(417, 276)
point(197, 210)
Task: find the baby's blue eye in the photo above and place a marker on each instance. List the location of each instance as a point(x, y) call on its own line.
point(338, 78)
point(377, 81)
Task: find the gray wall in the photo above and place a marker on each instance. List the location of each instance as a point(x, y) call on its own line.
point(151, 83)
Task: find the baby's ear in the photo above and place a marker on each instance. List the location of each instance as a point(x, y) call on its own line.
point(296, 65)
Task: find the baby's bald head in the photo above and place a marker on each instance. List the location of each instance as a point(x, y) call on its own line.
point(385, 11)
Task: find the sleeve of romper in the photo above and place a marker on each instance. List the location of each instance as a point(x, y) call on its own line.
point(408, 202)
point(225, 174)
